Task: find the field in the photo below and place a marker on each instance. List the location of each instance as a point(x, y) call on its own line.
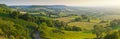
point(77, 34)
point(72, 35)
point(110, 17)
point(83, 25)
point(66, 19)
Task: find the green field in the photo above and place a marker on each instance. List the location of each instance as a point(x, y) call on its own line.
point(72, 35)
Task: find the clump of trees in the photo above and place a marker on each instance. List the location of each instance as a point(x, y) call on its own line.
point(113, 35)
point(64, 26)
point(115, 23)
point(11, 29)
point(58, 23)
point(98, 30)
point(82, 18)
point(107, 32)
point(78, 19)
point(73, 28)
point(14, 14)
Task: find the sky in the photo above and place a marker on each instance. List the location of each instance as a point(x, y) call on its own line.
point(115, 3)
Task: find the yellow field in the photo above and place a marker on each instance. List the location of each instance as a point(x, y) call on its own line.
point(83, 25)
point(66, 19)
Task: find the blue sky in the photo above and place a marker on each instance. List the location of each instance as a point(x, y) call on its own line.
point(63, 2)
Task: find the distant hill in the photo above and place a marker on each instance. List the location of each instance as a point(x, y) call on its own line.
point(43, 8)
point(4, 8)
point(40, 6)
point(3, 5)
point(93, 11)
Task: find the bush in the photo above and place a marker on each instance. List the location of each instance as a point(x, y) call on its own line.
point(72, 28)
point(78, 19)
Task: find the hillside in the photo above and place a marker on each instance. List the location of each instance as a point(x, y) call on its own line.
point(58, 22)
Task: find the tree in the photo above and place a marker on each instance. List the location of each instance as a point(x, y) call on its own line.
point(27, 17)
point(15, 14)
point(60, 24)
point(113, 35)
point(98, 30)
point(68, 28)
point(89, 20)
point(74, 28)
point(49, 13)
point(103, 21)
point(114, 23)
point(78, 19)
point(11, 37)
point(84, 16)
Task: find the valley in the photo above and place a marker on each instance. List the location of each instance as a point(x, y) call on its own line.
point(59, 22)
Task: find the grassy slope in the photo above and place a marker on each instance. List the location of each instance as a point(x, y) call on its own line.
point(21, 22)
point(66, 35)
point(17, 21)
